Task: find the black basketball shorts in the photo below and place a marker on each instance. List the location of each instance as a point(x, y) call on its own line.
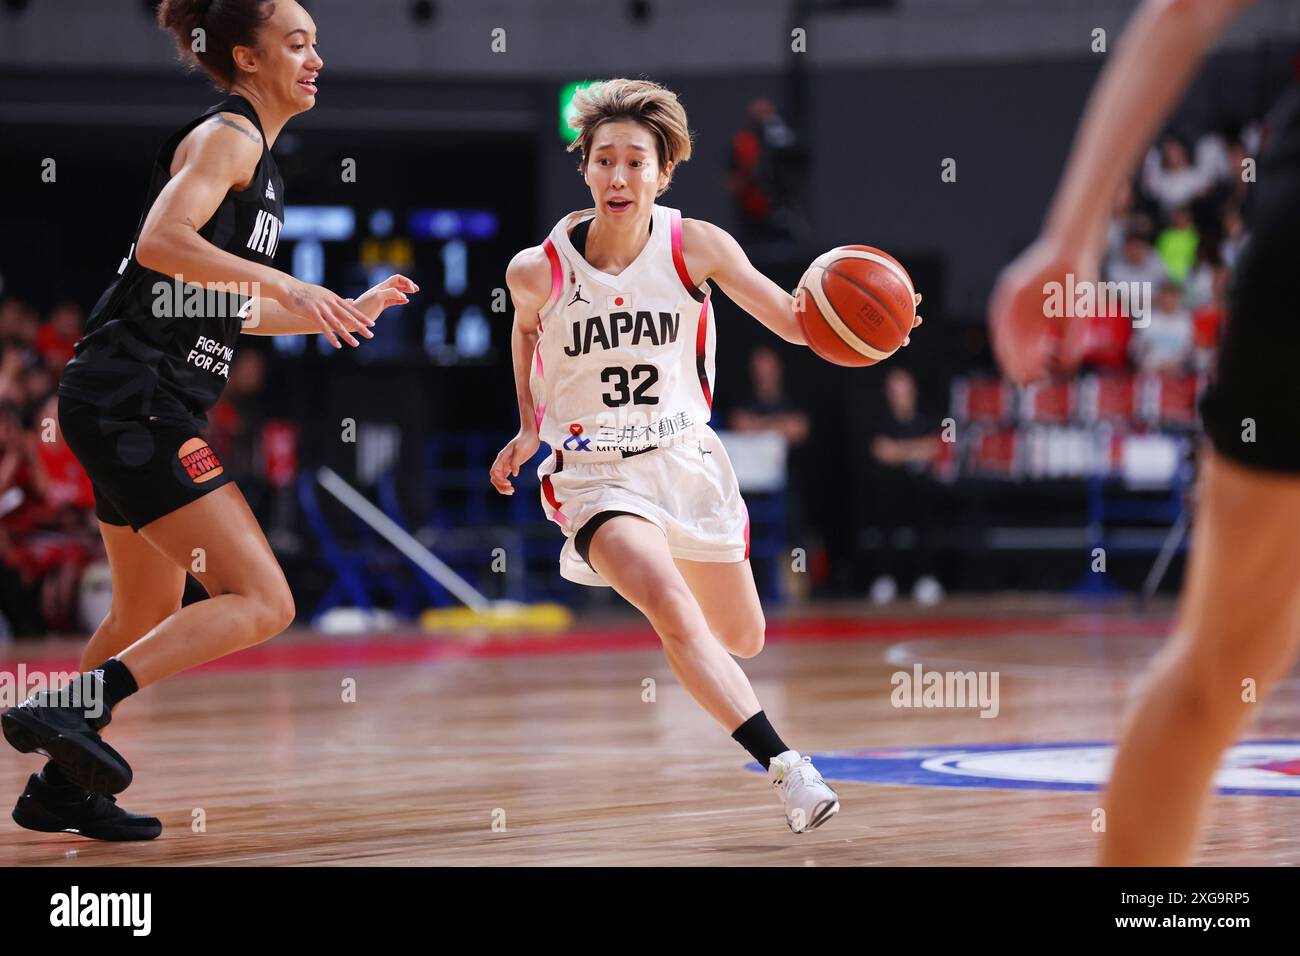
point(141, 467)
point(1251, 410)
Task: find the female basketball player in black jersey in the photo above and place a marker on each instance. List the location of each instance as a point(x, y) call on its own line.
point(133, 401)
point(1239, 614)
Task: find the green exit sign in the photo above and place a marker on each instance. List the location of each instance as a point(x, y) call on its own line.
point(567, 109)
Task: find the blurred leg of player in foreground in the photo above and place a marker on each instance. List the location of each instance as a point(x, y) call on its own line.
point(1236, 634)
point(1239, 616)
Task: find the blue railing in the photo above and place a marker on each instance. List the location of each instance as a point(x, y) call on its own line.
point(462, 519)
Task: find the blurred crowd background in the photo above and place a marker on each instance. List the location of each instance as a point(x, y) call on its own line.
point(914, 480)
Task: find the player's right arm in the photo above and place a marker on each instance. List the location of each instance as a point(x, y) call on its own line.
point(217, 156)
point(529, 279)
point(1160, 50)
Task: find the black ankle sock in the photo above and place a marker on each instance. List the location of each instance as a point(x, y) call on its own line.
point(117, 682)
point(55, 776)
point(757, 736)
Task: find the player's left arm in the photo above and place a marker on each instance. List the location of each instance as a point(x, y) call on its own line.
point(268, 317)
point(712, 253)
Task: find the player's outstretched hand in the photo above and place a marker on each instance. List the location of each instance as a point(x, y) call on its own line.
point(392, 291)
point(511, 458)
point(1026, 341)
point(336, 316)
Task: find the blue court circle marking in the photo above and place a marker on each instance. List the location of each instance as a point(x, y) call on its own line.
point(1251, 768)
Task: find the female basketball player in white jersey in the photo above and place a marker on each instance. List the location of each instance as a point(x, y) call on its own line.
point(1238, 621)
point(613, 354)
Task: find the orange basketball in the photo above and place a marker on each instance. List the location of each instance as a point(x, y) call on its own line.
point(855, 304)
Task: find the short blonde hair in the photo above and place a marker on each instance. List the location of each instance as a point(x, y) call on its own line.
point(642, 101)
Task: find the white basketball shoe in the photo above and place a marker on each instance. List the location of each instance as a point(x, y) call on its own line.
point(808, 801)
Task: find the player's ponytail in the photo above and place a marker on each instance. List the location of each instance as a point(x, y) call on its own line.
point(207, 32)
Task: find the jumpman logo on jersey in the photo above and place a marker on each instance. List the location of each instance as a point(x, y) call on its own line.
point(577, 296)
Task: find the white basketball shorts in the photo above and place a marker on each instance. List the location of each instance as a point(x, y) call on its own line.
point(687, 489)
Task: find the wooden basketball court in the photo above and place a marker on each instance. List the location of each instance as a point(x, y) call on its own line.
point(544, 750)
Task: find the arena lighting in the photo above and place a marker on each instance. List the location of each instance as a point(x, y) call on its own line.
point(567, 109)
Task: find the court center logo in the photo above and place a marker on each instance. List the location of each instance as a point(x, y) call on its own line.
point(1253, 768)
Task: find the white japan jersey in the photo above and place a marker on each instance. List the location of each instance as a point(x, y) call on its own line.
point(623, 363)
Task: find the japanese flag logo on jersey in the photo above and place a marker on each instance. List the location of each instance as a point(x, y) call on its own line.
point(620, 300)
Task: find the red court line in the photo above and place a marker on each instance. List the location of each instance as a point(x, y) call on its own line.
point(405, 647)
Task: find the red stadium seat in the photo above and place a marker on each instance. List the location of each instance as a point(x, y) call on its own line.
point(1172, 399)
point(1106, 341)
point(1108, 397)
point(995, 452)
point(1050, 403)
point(981, 400)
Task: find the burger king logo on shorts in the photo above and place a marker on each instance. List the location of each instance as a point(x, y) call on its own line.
point(200, 461)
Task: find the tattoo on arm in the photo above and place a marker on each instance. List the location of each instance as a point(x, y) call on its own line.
point(222, 121)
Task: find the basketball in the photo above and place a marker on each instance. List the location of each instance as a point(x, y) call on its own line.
point(855, 305)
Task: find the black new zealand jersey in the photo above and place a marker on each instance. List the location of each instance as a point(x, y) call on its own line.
point(154, 346)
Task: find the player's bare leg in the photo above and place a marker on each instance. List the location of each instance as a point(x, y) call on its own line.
point(249, 601)
point(147, 589)
point(1238, 620)
point(632, 554)
point(218, 537)
point(729, 599)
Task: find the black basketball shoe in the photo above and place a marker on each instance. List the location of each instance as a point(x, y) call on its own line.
point(67, 808)
point(54, 724)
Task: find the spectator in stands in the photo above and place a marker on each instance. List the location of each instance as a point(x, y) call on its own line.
point(904, 493)
point(55, 339)
point(1120, 219)
point(17, 330)
point(1199, 288)
point(17, 455)
point(1165, 344)
point(1176, 245)
point(1213, 154)
point(13, 366)
point(1126, 219)
point(39, 383)
point(767, 408)
point(65, 540)
point(1137, 262)
point(1207, 321)
point(765, 175)
point(1171, 178)
point(1237, 184)
point(1234, 235)
point(46, 505)
point(18, 507)
point(19, 613)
